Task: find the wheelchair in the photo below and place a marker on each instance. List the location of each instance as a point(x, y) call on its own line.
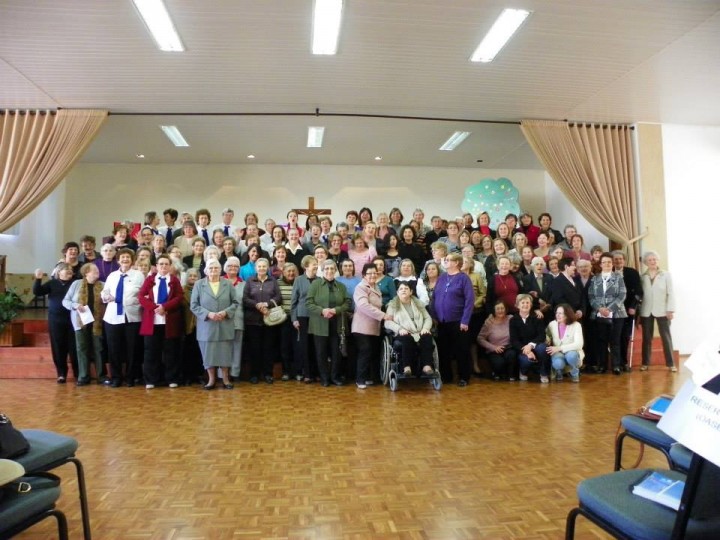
point(390, 366)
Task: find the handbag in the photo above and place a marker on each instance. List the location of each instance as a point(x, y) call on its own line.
point(12, 442)
point(275, 316)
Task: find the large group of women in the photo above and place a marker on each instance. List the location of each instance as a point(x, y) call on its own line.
point(177, 305)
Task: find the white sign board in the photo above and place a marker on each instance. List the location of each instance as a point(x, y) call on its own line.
point(693, 418)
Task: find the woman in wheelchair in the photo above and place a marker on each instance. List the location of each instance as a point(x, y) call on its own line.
point(411, 325)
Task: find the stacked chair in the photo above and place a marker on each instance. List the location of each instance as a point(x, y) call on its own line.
point(608, 502)
point(49, 450)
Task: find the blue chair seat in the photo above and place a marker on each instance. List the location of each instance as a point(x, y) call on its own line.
point(19, 511)
point(646, 431)
point(47, 450)
point(610, 498)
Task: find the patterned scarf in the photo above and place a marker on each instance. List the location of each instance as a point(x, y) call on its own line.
point(98, 308)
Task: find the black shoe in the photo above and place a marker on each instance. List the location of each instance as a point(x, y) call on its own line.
point(325, 383)
point(253, 380)
point(338, 382)
point(115, 384)
point(462, 383)
point(61, 380)
point(268, 379)
point(83, 381)
point(617, 371)
point(130, 384)
point(209, 386)
point(228, 386)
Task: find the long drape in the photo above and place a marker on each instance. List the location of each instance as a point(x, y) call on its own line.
point(37, 150)
point(594, 167)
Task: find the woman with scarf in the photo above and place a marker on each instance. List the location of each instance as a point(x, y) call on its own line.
point(83, 297)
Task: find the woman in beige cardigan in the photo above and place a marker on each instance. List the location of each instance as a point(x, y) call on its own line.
point(565, 339)
point(411, 323)
point(658, 305)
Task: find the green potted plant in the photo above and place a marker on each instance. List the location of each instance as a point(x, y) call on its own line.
point(10, 306)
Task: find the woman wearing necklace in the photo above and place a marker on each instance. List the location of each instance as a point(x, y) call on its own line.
point(62, 335)
point(503, 286)
point(452, 307)
point(607, 298)
point(658, 305)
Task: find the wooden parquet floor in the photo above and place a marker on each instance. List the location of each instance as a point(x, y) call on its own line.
point(493, 460)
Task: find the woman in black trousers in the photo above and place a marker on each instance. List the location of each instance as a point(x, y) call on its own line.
point(62, 335)
point(261, 294)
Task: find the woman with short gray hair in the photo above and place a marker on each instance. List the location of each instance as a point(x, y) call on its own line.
point(214, 303)
point(658, 305)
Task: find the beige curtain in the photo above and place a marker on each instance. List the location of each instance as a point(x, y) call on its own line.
point(37, 150)
point(593, 166)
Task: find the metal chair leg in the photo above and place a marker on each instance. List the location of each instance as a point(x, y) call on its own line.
point(82, 489)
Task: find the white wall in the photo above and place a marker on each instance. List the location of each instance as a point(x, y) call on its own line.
point(692, 168)
point(40, 236)
point(98, 194)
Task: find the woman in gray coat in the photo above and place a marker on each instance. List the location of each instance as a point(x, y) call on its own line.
point(214, 303)
point(607, 298)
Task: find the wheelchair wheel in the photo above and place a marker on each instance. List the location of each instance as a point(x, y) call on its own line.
point(385, 360)
point(393, 381)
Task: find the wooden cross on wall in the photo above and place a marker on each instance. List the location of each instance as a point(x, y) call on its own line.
point(312, 210)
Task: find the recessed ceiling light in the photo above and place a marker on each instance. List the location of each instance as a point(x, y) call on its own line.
point(251, 156)
point(454, 141)
point(327, 15)
point(315, 136)
point(140, 156)
point(173, 133)
point(378, 158)
point(159, 24)
point(497, 37)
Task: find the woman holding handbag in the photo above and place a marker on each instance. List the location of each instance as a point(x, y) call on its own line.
point(261, 294)
point(327, 302)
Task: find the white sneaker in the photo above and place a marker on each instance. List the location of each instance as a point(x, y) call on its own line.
point(361, 386)
point(544, 379)
point(173, 385)
point(523, 377)
point(149, 386)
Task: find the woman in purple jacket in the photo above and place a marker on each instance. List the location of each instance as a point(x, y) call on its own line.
point(452, 306)
point(366, 324)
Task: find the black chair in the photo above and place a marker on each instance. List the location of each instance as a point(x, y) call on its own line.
point(646, 432)
point(20, 511)
point(49, 450)
point(608, 502)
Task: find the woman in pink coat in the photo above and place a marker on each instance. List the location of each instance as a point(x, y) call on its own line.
point(366, 324)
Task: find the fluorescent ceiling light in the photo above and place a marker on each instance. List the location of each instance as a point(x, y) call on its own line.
point(315, 136)
point(173, 133)
point(158, 22)
point(505, 26)
point(326, 26)
point(454, 141)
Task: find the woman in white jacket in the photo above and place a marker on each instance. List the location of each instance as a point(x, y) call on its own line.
point(565, 343)
point(658, 305)
point(411, 323)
